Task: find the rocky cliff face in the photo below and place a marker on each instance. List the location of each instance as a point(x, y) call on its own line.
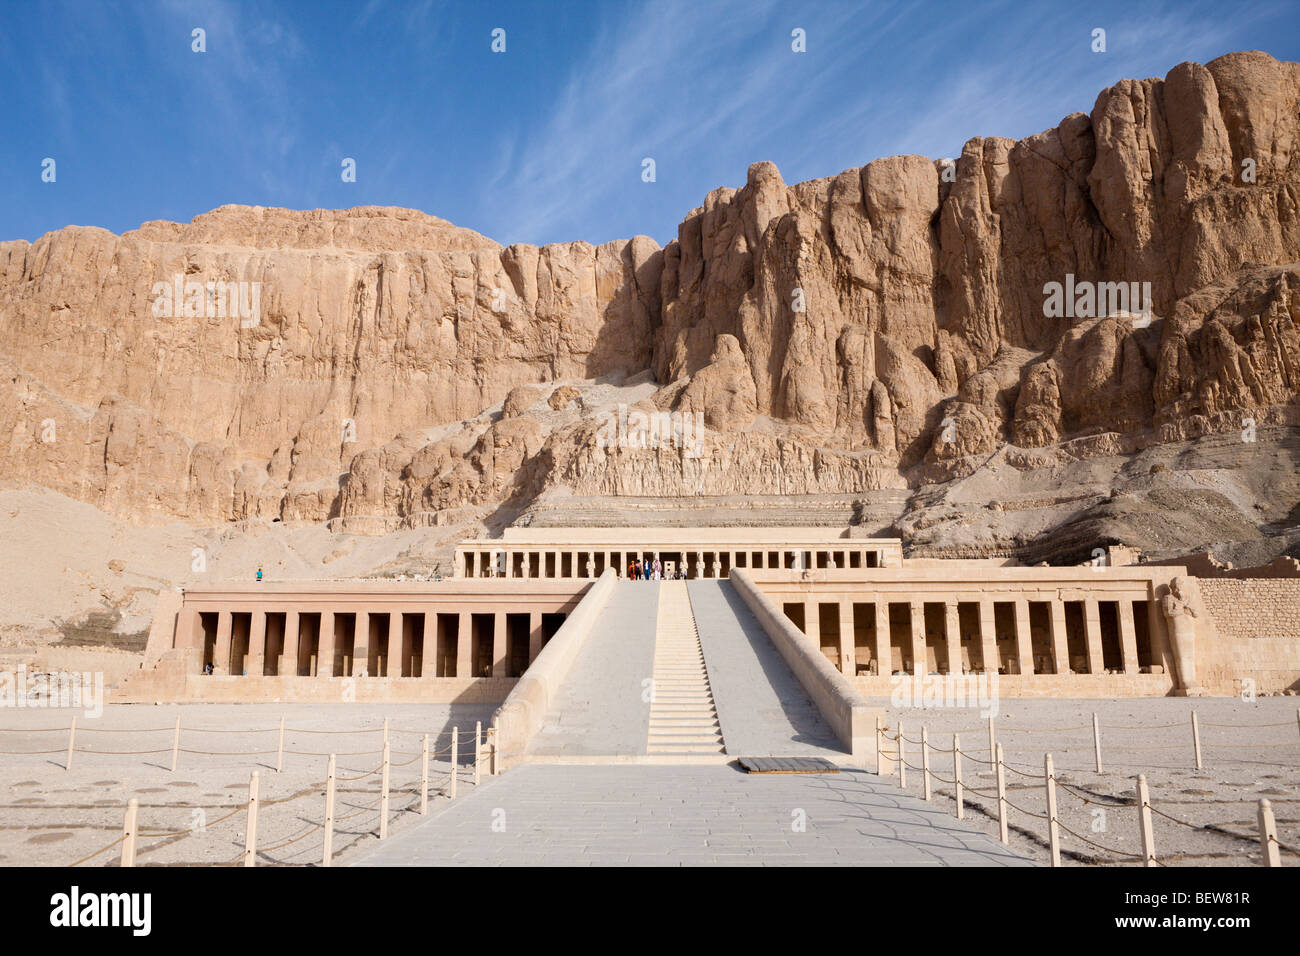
point(887, 328)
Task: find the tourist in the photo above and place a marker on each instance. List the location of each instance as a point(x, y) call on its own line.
point(637, 576)
point(631, 569)
point(207, 668)
point(259, 572)
point(659, 570)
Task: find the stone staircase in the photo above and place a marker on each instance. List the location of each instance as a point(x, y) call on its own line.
point(683, 718)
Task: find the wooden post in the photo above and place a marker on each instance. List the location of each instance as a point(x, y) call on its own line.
point(478, 748)
point(327, 854)
point(902, 766)
point(129, 832)
point(1196, 739)
point(279, 757)
point(880, 739)
point(956, 776)
point(1053, 833)
point(383, 798)
point(1144, 822)
point(455, 760)
point(250, 835)
point(385, 730)
point(424, 778)
point(1002, 798)
point(1096, 740)
point(176, 745)
point(1268, 834)
point(493, 767)
point(72, 742)
point(925, 762)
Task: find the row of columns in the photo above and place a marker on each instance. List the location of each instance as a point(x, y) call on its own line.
point(989, 658)
point(288, 662)
point(501, 562)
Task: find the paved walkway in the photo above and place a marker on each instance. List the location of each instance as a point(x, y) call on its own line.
point(603, 706)
point(539, 815)
point(762, 708)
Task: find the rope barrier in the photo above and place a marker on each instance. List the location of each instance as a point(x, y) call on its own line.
point(99, 851)
point(1105, 849)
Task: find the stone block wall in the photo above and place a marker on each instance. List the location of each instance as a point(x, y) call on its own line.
point(1257, 625)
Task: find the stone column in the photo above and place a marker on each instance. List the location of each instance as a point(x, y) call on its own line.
point(289, 657)
point(920, 652)
point(591, 564)
point(325, 646)
point(527, 565)
point(884, 653)
point(189, 633)
point(1060, 641)
point(465, 645)
point(988, 637)
point(396, 646)
point(699, 564)
point(848, 646)
point(257, 645)
point(534, 635)
point(429, 655)
point(1024, 637)
point(221, 651)
point(812, 624)
point(1128, 636)
point(1092, 625)
point(499, 649)
point(361, 645)
point(474, 566)
point(952, 635)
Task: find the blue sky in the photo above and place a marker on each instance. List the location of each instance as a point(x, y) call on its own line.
point(544, 142)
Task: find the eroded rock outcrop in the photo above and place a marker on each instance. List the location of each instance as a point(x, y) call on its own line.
point(882, 328)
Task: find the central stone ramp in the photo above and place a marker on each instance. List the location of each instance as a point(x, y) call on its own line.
point(683, 719)
point(762, 708)
point(602, 708)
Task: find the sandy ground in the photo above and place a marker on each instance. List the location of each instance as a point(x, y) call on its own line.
point(1258, 755)
point(54, 817)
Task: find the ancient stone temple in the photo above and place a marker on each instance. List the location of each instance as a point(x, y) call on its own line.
point(864, 611)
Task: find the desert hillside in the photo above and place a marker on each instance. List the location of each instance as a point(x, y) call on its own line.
point(875, 348)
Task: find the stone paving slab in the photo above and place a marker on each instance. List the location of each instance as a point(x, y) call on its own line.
point(600, 710)
point(762, 707)
point(687, 816)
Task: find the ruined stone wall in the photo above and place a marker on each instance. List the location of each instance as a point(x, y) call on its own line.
point(1257, 621)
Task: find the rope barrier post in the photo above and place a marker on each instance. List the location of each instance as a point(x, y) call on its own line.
point(327, 855)
point(1144, 822)
point(1096, 740)
point(72, 743)
point(250, 837)
point(1053, 833)
point(925, 761)
point(956, 776)
point(385, 730)
point(1002, 798)
point(1196, 739)
point(993, 743)
point(455, 760)
point(129, 832)
point(176, 745)
point(383, 799)
point(880, 739)
point(1268, 834)
point(902, 755)
point(493, 768)
point(424, 777)
point(478, 750)
point(279, 757)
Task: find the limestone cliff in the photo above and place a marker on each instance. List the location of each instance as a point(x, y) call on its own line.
point(886, 328)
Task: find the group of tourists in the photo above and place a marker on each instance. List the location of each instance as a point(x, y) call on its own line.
point(638, 570)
